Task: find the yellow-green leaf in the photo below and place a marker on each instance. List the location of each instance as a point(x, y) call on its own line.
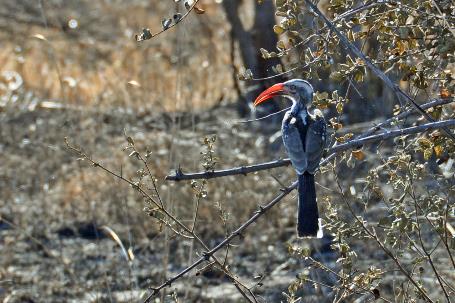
point(339, 107)
point(278, 29)
point(424, 143)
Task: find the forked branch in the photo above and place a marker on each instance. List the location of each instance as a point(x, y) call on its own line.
point(238, 232)
point(349, 46)
point(285, 191)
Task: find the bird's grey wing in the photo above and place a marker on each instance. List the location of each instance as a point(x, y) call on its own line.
point(293, 144)
point(315, 142)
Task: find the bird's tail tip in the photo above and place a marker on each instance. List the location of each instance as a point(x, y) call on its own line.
point(319, 234)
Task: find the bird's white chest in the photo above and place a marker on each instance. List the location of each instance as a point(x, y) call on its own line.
point(293, 120)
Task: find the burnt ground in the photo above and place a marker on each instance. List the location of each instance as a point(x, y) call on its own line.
point(53, 207)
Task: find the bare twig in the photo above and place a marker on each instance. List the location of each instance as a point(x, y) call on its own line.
point(173, 24)
point(206, 255)
point(355, 143)
point(361, 8)
point(427, 254)
point(177, 222)
point(317, 59)
point(405, 114)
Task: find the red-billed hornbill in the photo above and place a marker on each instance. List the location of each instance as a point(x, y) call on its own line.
point(304, 137)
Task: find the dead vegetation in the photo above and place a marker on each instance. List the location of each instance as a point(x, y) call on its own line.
point(94, 85)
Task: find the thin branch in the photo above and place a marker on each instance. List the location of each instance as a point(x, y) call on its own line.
point(379, 73)
point(317, 59)
point(238, 232)
point(196, 212)
point(308, 39)
point(446, 236)
point(374, 236)
point(148, 197)
point(419, 236)
point(405, 114)
point(359, 9)
point(172, 25)
point(393, 134)
point(355, 143)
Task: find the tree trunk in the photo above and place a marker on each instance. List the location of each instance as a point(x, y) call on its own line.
point(261, 35)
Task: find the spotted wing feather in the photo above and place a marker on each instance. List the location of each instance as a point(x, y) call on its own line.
point(315, 142)
point(293, 144)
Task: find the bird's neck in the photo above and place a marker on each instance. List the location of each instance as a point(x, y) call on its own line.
point(299, 109)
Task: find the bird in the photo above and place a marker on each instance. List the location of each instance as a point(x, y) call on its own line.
point(304, 137)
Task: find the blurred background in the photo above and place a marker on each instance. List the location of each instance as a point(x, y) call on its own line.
point(73, 69)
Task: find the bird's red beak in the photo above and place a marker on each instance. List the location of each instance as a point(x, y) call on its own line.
point(275, 90)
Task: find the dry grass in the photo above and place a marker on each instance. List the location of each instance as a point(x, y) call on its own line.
point(92, 65)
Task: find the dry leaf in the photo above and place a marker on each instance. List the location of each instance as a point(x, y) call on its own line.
point(358, 154)
point(145, 35)
point(131, 254)
point(117, 239)
point(438, 150)
point(166, 23)
point(134, 83)
point(280, 45)
point(198, 10)
point(40, 37)
point(445, 93)
point(344, 138)
point(424, 142)
point(337, 126)
point(427, 153)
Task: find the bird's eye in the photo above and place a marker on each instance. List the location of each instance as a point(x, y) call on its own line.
point(292, 87)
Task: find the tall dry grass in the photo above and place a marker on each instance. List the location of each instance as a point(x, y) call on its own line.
point(99, 63)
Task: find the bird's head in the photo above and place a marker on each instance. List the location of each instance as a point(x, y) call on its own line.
point(298, 90)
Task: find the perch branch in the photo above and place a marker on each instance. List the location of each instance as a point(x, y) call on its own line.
point(355, 143)
point(242, 170)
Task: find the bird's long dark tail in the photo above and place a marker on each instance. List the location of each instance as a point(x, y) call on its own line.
point(308, 218)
